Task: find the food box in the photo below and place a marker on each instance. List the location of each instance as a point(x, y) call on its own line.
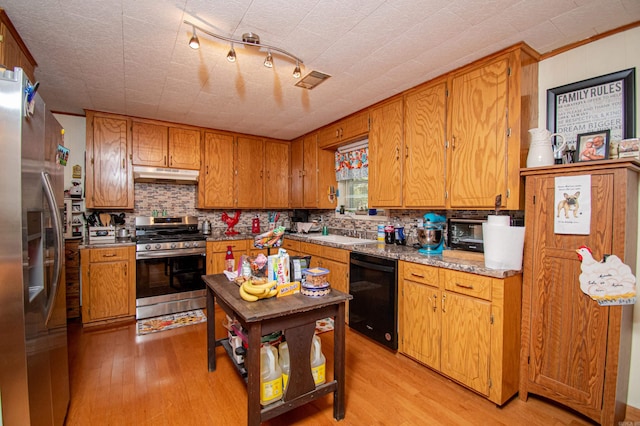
point(278, 267)
point(285, 289)
point(298, 264)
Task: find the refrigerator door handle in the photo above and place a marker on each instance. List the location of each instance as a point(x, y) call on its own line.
point(57, 228)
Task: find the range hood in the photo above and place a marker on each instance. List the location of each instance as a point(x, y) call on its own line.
point(162, 175)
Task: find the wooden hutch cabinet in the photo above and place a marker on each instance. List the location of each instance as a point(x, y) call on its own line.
point(573, 350)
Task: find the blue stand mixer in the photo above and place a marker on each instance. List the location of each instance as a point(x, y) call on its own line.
point(431, 237)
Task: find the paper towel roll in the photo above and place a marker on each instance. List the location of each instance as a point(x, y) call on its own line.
point(503, 246)
point(499, 220)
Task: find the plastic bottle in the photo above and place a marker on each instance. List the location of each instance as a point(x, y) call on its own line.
point(270, 375)
point(229, 262)
point(318, 362)
point(285, 366)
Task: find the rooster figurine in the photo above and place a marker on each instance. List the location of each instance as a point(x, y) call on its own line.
point(231, 222)
point(609, 282)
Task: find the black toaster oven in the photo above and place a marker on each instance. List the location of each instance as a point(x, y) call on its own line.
point(466, 234)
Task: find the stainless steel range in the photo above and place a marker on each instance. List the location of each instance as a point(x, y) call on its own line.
point(170, 260)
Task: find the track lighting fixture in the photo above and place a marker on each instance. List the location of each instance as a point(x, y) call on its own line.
point(194, 43)
point(248, 39)
point(268, 61)
point(231, 56)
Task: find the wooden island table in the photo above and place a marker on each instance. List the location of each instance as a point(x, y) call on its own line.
point(296, 316)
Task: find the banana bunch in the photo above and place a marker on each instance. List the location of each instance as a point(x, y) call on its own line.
point(252, 292)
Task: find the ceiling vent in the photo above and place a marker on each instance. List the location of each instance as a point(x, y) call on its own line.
point(312, 79)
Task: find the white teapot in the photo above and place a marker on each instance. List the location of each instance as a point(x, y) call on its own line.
point(542, 151)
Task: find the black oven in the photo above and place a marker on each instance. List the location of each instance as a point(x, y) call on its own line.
point(170, 262)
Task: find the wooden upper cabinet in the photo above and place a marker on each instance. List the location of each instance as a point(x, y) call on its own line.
point(479, 135)
point(216, 187)
point(296, 186)
point(326, 178)
point(13, 51)
point(344, 131)
point(157, 145)
point(184, 148)
point(310, 170)
point(491, 107)
point(109, 178)
point(424, 146)
point(386, 154)
point(249, 162)
point(150, 144)
point(276, 165)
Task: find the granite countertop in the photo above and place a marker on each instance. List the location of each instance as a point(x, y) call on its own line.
point(392, 251)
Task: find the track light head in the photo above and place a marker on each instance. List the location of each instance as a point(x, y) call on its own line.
point(194, 43)
point(231, 56)
point(268, 62)
point(296, 70)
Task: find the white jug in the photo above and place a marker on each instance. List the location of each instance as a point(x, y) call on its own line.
point(541, 150)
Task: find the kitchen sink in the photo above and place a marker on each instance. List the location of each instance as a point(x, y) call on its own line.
point(341, 239)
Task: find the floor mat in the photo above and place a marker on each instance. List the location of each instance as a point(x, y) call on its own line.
point(168, 322)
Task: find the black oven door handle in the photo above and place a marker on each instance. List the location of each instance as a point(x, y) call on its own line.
point(373, 266)
point(170, 253)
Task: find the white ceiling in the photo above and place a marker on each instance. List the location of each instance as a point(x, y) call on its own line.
point(131, 56)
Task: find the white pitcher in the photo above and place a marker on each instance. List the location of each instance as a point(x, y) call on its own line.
point(541, 150)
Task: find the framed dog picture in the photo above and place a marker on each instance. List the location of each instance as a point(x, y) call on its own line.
point(593, 146)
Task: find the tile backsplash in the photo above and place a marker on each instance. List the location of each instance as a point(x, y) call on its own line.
point(181, 200)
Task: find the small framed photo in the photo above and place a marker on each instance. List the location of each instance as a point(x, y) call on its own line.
point(593, 146)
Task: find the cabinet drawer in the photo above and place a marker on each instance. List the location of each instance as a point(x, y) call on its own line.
point(310, 248)
point(421, 273)
point(108, 254)
point(290, 245)
point(238, 246)
point(469, 284)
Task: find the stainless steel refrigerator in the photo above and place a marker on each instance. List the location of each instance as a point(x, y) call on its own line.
point(34, 368)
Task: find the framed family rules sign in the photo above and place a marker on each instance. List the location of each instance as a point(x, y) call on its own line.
point(597, 104)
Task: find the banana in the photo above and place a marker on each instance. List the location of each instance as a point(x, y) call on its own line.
point(255, 290)
point(268, 285)
point(269, 294)
point(246, 296)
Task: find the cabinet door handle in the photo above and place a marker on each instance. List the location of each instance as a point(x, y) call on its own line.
point(125, 269)
point(397, 152)
point(413, 274)
point(123, 163)
point(164, 161)
point(453, 142)
point(444, 297)
point(467, 286)
point(406, 152)
point(109, 255)
point(435, 302)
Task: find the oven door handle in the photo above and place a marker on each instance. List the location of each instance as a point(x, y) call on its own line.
point(170, 253)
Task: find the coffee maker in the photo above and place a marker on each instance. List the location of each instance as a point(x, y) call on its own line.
point(298, 216)
point(431, 236)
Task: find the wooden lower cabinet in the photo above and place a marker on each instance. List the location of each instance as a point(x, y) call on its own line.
point(575, 351)
point(335, 260)
point(217, 252)
point(463, 325)
point(108, 284)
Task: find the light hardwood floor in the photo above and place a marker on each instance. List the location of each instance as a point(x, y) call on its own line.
point(119, 378)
